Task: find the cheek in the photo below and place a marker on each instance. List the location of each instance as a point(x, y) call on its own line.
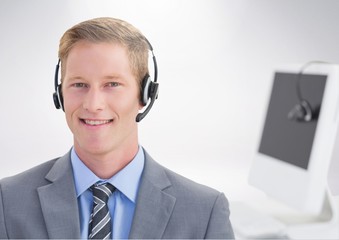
point(127, 102)
point(71, 101)
point(69, 110)
point(69, 121)
point(71, 104)
point(128, 108)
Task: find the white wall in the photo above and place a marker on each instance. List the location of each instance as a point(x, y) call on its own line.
point(215, 57)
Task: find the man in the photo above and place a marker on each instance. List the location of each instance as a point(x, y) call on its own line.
point(107, 186)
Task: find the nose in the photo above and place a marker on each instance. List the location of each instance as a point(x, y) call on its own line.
point(94, 100)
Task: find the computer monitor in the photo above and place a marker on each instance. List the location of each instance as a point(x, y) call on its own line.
point(293, 154)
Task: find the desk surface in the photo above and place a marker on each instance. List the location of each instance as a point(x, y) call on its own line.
point(298, 225)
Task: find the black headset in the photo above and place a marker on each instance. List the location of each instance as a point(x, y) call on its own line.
point(303, 111)
point(149, 88)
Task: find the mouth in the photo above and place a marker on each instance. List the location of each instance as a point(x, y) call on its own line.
point(92, 122)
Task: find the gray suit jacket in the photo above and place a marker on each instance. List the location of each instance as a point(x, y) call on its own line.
point(42, 203)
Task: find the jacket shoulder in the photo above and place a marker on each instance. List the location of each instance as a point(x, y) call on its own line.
point(179, 186)
point(183, 187)
point(33, 177)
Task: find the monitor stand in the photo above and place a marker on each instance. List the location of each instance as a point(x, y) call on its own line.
point(324, 226)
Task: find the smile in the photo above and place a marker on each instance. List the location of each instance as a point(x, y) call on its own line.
point(96, 122)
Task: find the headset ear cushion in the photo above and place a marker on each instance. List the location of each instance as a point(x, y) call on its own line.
point(56, 100)
point(145, 89)
point(59, 98)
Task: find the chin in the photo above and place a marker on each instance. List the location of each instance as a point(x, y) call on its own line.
point(93, 147)
point(98, 149)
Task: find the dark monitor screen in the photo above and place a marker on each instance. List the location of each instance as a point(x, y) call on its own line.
point(289, 140)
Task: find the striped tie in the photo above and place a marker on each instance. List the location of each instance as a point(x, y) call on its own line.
point(100, 219)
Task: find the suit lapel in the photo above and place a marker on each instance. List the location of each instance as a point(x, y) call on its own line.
point(59, 203)
point(154, 207)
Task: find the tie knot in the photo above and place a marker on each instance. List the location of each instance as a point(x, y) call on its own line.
point(103, 191)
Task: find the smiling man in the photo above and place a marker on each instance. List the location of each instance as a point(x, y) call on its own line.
point(107, 185)
point(101, 101)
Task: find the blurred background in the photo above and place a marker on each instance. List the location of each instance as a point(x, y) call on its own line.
point(216, 60)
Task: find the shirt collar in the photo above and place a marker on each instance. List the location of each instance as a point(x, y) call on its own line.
point(126, 180)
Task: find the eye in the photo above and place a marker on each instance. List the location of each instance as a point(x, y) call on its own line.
point(113, 84)
point(79, 85)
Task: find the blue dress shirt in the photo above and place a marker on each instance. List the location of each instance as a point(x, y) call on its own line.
point(121, 204)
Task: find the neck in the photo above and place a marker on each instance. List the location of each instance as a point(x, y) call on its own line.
point(106, 165)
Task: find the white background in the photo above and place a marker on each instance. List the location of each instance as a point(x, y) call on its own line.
point(215, 57)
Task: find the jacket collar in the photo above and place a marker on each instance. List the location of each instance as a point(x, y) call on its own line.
point(59, 202)
point(154, 206)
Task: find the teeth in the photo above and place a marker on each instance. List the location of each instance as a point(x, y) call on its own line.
point(96, 122)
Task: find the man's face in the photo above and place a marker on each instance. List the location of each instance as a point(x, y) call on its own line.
point(101, 98)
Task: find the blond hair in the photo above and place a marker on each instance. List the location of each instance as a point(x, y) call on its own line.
point(109, 30)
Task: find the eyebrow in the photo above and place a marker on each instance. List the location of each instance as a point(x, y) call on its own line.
point(107, 77)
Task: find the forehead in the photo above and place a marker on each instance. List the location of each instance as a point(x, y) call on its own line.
point(99, 55)
point(87, 49)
